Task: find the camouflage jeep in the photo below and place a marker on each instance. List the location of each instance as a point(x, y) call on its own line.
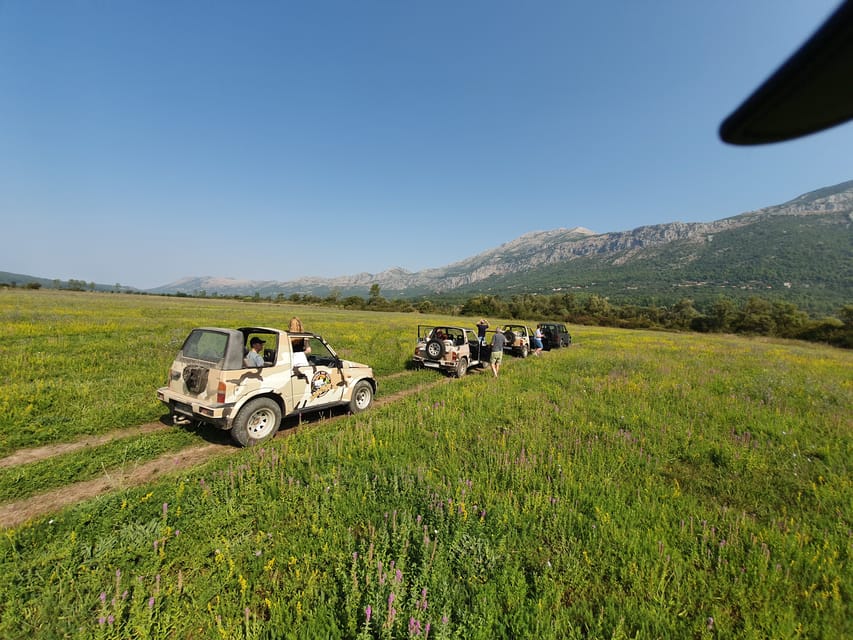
point(212, 381)
point(517, 339)
point(453, 350)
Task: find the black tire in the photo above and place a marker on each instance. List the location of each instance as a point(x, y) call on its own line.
point(258, 420)
point(510, 338)
point(362, 397)
point(524, 351)
point(461, 367)
point(434, 349)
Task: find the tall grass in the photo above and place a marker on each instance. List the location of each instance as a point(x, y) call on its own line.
point(75, 363)
point(635, 485)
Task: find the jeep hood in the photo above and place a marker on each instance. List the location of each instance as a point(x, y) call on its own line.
point(349, 364)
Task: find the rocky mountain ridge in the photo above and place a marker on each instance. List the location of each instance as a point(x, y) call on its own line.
point(536, 250)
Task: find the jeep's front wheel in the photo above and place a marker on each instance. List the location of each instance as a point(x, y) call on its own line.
point(257, 421)
point(362, 396)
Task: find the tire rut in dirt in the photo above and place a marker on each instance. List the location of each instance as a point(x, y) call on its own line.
point(16, 513)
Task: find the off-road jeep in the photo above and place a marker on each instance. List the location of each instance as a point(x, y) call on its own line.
point(517, 339)
point(453, 350)
point(210, 380)
point(555, 335)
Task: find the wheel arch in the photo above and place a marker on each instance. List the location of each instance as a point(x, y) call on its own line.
point(272, 395)
point(371, 381)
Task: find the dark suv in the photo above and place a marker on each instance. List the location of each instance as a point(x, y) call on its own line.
point(555, 335)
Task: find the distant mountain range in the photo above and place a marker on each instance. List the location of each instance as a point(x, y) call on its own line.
point(800, 251)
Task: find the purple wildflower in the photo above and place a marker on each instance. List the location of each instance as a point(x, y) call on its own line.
point(414, 627)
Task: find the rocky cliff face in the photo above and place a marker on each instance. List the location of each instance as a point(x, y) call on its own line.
point(538, 249)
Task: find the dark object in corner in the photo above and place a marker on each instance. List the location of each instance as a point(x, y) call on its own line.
point(811, 91)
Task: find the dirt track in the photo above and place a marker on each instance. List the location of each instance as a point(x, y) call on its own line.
point(16, 513)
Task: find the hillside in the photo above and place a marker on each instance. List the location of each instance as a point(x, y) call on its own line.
point(798, 251)
point(802, 259)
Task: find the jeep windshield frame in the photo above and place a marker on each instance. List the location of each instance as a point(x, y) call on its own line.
point(457, 335)
point(211, 345)
point(224, 349)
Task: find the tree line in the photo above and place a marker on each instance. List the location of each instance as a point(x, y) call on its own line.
point(754, 316)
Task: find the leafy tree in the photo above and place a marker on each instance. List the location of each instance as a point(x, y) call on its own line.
point(788, 319)
point(846, 315)
point(598, 307)
point(756, 317)
point(333, 297)
point(485, 305)
point(682, 314)
point(722, 315)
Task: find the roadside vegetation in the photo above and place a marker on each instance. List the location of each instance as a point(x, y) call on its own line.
point(637, 484)
point(739, 311)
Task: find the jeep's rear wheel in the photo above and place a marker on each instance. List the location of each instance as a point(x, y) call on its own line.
point(257, 421)
point(435, 349)
point(461, 367)
point(362, 396)
point(524, 351)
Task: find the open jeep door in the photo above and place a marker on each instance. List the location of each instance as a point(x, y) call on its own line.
point(318, 375)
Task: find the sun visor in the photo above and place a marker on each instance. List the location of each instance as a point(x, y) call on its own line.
point(811, 91)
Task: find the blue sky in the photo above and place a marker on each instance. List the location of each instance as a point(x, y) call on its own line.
point(145, 141)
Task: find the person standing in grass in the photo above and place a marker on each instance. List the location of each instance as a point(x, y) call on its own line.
point(482, 325)
point(498, 342)
point(537, 340)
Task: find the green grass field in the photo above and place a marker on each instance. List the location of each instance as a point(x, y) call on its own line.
point(635, 485)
